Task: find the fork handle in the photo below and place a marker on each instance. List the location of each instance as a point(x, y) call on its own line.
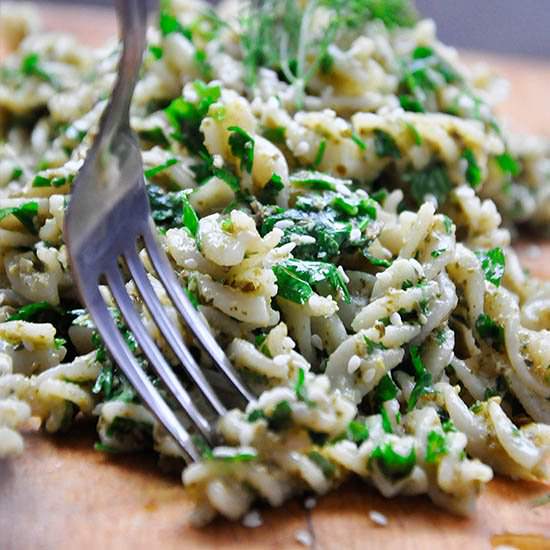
point(132, 19)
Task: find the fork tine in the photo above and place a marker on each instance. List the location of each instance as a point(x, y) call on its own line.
point(135, 374)
point(172, 336)
point(181, 301)
point(148, 346)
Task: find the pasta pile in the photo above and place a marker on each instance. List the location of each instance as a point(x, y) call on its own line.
point(340, 214)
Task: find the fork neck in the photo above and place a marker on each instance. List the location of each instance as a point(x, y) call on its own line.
point(132, 20)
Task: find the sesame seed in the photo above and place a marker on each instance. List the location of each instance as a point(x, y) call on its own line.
point(218, 161)
point(252, 519)
point(303, 537)
point(310, 503)
point(354, 363)
point(284, 224)
point(378, 518)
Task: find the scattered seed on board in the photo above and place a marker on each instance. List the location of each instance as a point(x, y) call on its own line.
point(252, 519)
point(310, 503)
point(303, 537)
point(378, 518)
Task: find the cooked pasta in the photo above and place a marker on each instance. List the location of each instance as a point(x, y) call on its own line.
point(339, 206)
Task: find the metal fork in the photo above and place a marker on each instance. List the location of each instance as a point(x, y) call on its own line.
point(108, 215)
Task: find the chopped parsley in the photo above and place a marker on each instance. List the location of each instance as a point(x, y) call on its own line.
point(296, 277)
point(301, 389)
point(169, 23)
point(26, 214)
point(473, 171)
point(432, 180)
point(31, 311)
point(490, 331)
point(241, 144)
point(186, 116)
point(31, 66)
point(272, 188)
point(358, 141)
point(386, 389)
point(436, 447)
point(320, 154)
point(152, 172)
point(422, 75)
point(327, 467)
point(385, 145)
point(190, 219)
point(423, 379)
point(493, 263)
point(508, 164)
point(276, 134)
point(357, 432)
point(392, 464)
point(166, 207)
point(56, 181)
point(317, 181)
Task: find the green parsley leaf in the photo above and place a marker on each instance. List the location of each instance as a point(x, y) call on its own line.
point(386, 422)
point(493, 263)
point(432, 180)
point(386, 389)
point(169, 23)
point(508, 164)
point(316, 181)
point(26, 214)
point(423, 379)
point(357, 432)
point(281, 417)
point(327, 467)
point(301, 389)
point(415, 134)
point(392, 464)
point(490, 331)
point(166, 207)
point(190, 218)
point(358, 141)
point(473, 171)
point(275, 135)
point(320, 154)
point(156, 51)
point(30, 66)
point(152, 172)
point(16, 173)
point(28, 312)
point(436, 447)
point(272, 188)
point(295, 277)
point(186, 117)
point(385, 145)
point(242, 146)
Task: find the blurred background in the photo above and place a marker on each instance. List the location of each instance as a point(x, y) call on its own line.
point(505, 26)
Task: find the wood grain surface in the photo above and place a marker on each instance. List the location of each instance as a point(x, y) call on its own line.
point(61, 494)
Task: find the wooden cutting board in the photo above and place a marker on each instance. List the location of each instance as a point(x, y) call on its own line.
point(61, 494)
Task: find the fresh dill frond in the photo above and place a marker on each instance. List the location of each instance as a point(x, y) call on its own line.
point(293, 38)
